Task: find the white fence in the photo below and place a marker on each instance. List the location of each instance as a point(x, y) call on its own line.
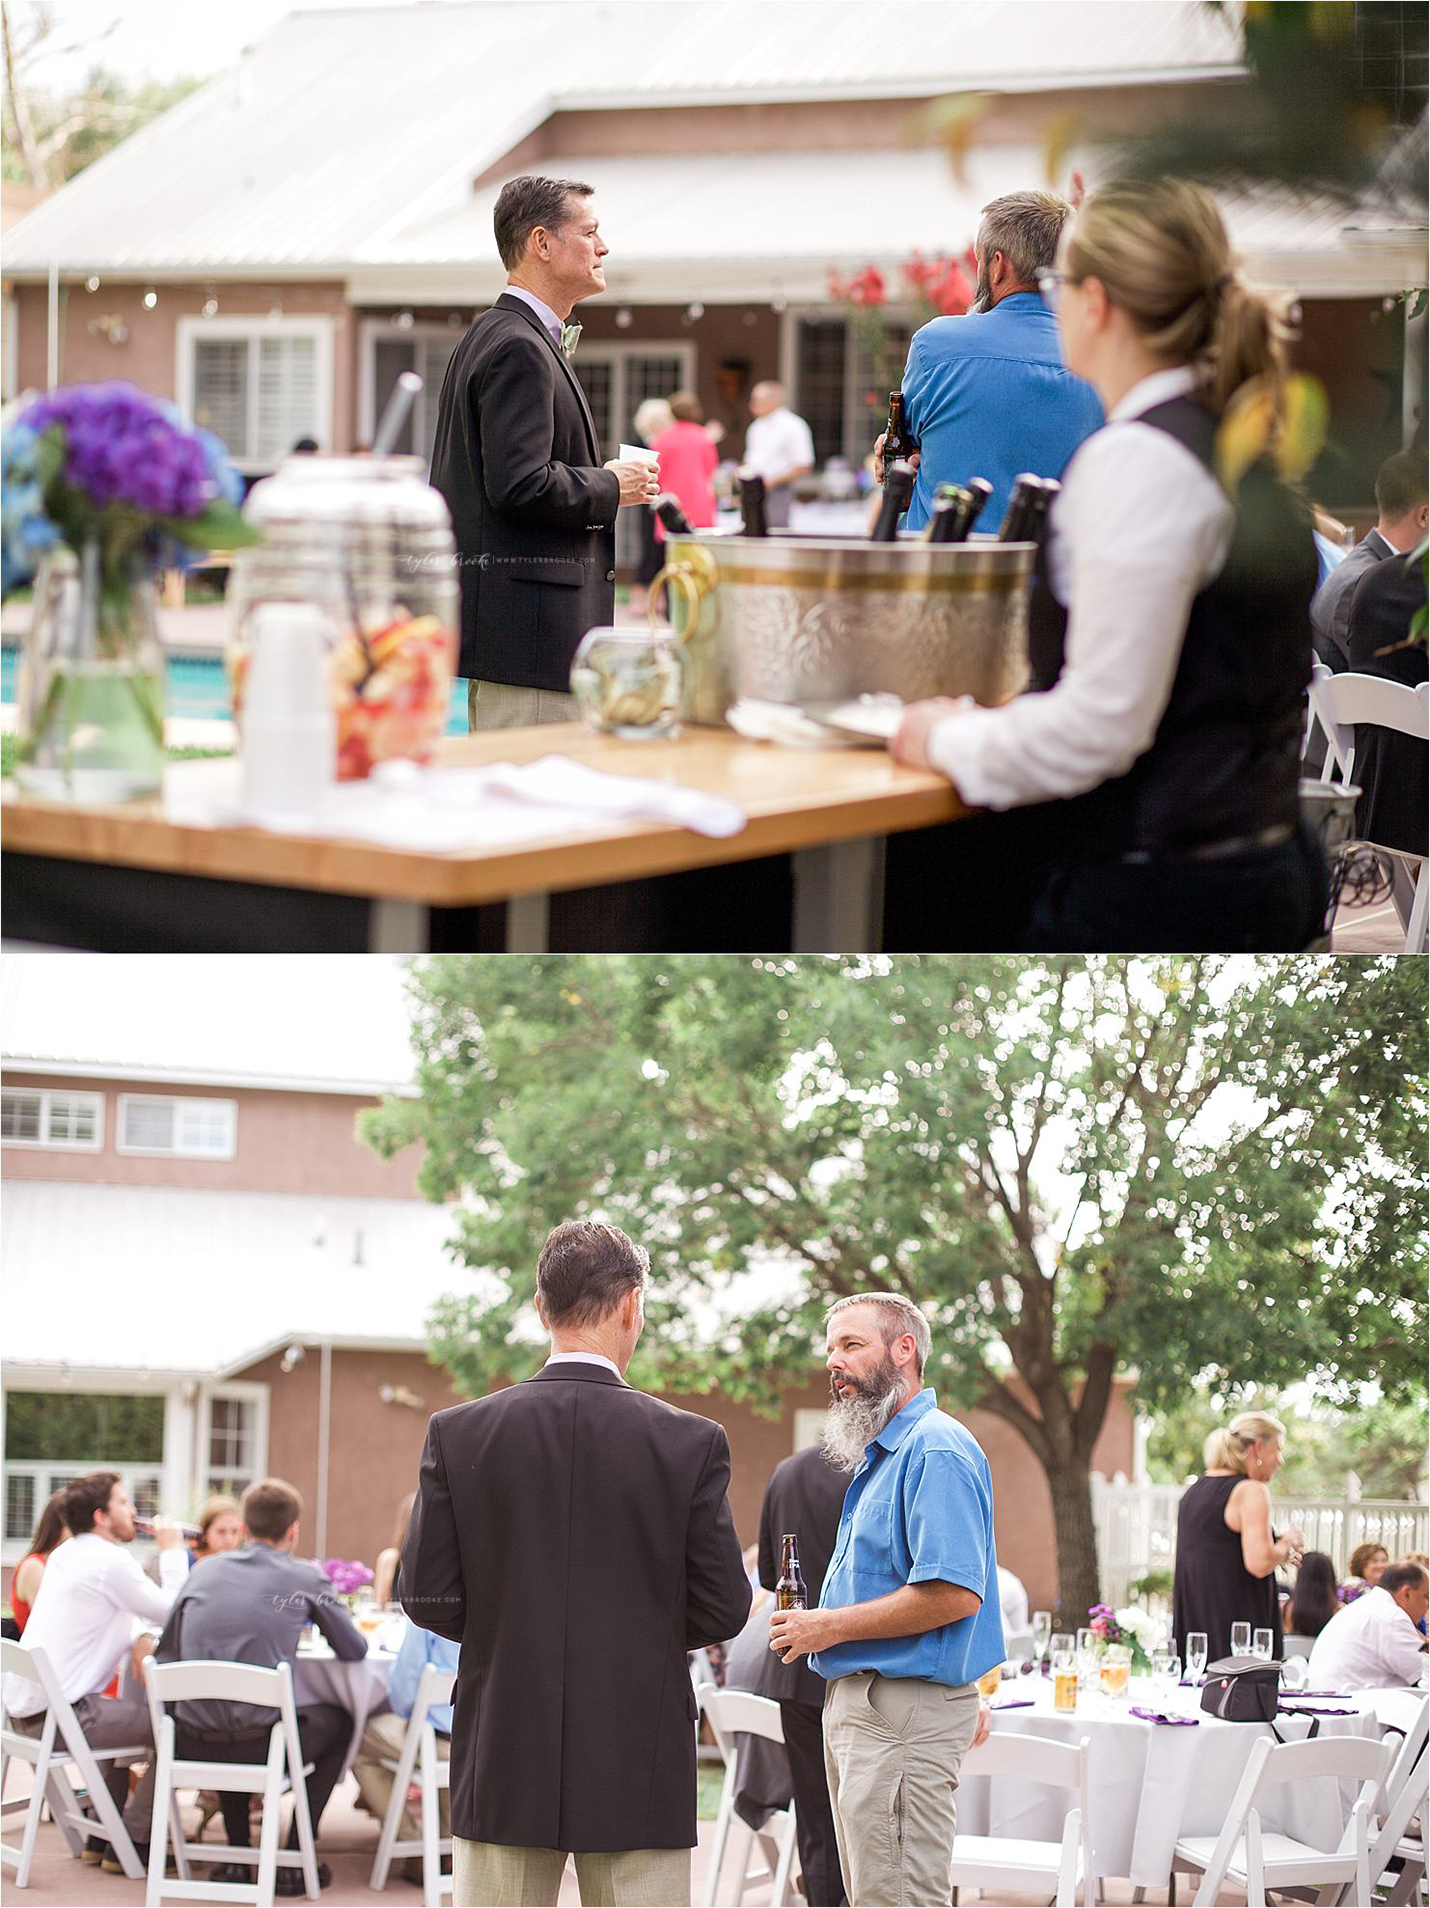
point(1137, 1529)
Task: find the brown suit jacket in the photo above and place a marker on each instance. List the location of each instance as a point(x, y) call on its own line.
point(574, 1536)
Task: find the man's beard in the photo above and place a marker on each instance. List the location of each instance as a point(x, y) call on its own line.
point(983, 292)
point(855, 1420)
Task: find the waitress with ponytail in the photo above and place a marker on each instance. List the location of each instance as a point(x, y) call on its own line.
point(1155, 762)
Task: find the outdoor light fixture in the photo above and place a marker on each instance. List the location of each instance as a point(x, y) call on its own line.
point(210, 308)
point(292, 1358)
point(404, 321)
point(400, 1395)
point(693, 311)
point(624, 316)
point(151, 298)
point(110, 326)
point(91, 284)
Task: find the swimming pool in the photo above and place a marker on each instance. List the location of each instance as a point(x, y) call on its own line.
point(196, 687)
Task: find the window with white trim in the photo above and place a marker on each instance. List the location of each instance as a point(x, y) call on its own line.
point(259, 384)
point(183, 1127)
point(42, 1116)
point(233, 1438)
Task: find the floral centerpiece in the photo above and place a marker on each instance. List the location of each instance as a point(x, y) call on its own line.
point(346, 1576)
point(1137, 1630)
point(1352, 1588)
point(104, 486)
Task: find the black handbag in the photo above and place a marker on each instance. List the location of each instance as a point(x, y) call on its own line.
point(1242, 1689)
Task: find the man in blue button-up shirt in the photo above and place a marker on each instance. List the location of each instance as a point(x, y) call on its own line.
point(987, 395)
point(908, 1617)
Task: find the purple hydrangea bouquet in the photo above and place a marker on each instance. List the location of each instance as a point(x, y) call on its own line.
point(346, 1577)
point(104, 485)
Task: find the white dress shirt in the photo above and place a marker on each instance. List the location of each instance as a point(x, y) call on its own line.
point(1012, 1602)
point(585, 1358)
point(1370, 1644)
point(540, 307)
point(778, 443)
point(92, 1601)
point(1139, 529)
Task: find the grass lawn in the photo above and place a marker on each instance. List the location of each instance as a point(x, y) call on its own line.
point(708, 1779)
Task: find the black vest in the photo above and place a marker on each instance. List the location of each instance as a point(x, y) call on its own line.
point(1225, 759)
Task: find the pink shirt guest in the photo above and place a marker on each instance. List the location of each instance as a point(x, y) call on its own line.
point(687, 462)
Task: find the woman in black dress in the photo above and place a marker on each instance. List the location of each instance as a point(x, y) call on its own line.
point(1227, 1552)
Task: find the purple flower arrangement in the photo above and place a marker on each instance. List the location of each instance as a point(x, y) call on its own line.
point(347, 1578)
point(108, 463)
point(1348, 1592)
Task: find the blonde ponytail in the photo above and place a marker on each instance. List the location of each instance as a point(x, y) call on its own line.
point(1226, 1449)
point(1161, 252)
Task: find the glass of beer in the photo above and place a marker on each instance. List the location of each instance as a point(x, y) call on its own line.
point(988, 1682)
point(1064, 1684)
point(1116, 1669)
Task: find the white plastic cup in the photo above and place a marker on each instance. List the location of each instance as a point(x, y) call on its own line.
point(290, 733)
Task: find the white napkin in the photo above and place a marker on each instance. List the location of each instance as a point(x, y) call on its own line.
point(501, 806)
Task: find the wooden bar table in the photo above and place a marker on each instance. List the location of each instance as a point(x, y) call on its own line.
point(130, 878)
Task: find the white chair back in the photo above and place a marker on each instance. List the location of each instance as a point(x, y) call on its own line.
point(1056, 1765)
point(60, 1741)
point(419, 1756)
point(282, 1773)
point(733, 1712)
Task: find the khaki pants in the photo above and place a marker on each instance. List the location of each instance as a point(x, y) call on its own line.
point(384, 1736)
point(892, 1751)
point(491, 1875)
point(500, 705)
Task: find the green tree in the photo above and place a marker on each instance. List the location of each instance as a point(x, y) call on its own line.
point(1208, 1170)
point(1382, 1442)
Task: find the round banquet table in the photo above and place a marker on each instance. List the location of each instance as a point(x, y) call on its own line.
point(1151, 1783)
point(359, 1687)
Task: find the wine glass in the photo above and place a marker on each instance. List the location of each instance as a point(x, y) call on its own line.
point(1042, 1633)
point(1167, 1674)
point(1196, 1656)
point(1241, 1639)
point(1261, 1645)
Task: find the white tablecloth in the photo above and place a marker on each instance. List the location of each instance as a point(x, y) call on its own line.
point(1151, 1783)
point(360, 1687)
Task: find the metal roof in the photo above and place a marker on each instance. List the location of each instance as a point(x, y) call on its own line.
point(102, 1276)
point(338, 127)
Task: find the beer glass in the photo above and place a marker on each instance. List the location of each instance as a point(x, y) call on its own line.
point(1241, 1639)
point(1196, 1656)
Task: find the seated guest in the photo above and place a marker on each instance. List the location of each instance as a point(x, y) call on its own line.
point(220, 1529)
point(250, 1606)
point(90, 1600)
point(384, 1734)
point(1313, 1601)
point(1400, 497)
point(1367, 1566)
point(50, 1533)
point(1374, 1643)
point(1013, 1602)
point(1155, 760)
point(388, 1569)
point(988, 395)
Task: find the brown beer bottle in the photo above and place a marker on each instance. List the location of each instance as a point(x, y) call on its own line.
point(790, 1593)
point(898, 443)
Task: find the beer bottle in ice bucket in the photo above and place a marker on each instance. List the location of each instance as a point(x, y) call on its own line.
point(790, 1593)
point(752, 504)
point(668, 509)
point(949, 504)
point(898, 441)
point(1028, 508)
point(898, 494)
point(979, 490)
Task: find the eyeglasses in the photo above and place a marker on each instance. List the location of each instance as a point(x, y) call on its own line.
point(1049, 283)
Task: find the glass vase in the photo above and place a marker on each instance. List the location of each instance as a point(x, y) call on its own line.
point(629, 682)
point(91, 695)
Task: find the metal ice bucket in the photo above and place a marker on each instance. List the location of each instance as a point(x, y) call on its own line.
point(811, 619)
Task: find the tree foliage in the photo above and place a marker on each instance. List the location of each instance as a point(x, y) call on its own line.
point(1207, 1170)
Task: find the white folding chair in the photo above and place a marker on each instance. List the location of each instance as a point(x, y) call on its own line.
point(1405, 1715)
point(735, 1712)
point(1006, 1862)
point(1342, 701)
point(1017, 1646)
point(419, 1750)
point(1248, 1857)
point(281, 1773)
point(1297, 1645)
point(60, 1742)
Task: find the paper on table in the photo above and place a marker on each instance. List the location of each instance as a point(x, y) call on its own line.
point(640, 453)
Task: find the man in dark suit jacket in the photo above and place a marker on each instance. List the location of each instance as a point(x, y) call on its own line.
point(1400, 496)
point(515, 455)
point(805, 1495)
point(574, 1536)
